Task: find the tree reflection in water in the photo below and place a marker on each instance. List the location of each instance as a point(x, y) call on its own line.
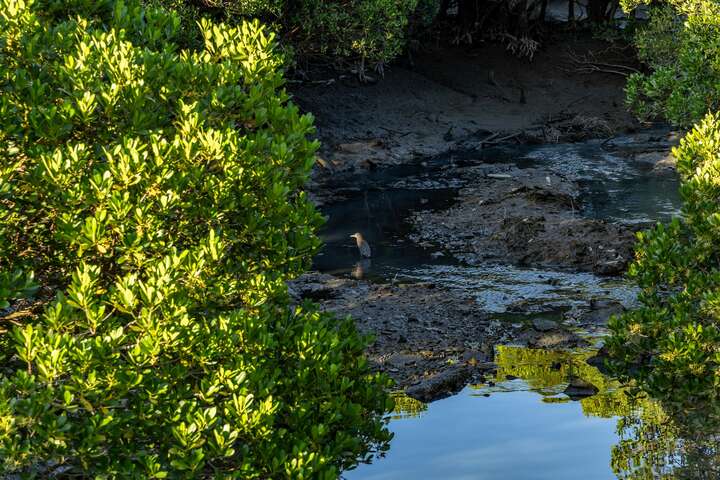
point(406, 407)
point(657, 440)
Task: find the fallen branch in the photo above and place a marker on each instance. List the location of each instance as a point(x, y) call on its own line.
point(324, 83)
point(588, 64)
point(488, 139)
point(500, 140)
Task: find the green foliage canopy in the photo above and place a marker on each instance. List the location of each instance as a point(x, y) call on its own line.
point(671, 342)
point(369, 32)
point(681, 44)
point(373, 31)
point(156, 189)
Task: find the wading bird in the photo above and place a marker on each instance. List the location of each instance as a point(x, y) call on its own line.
point(363, 246)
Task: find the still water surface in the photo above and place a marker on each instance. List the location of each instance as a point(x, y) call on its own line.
point(522, 427)
point(511, 435)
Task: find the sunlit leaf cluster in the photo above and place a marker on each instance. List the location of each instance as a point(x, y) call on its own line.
point(672, 342)
point(681, 45)
point(154, 190)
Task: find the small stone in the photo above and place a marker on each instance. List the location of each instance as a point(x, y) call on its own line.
point(544, 325)
point(440, 385)
point(579, 389)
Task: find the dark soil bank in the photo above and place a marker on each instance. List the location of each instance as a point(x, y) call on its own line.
point(433, 340)
point(458, 97)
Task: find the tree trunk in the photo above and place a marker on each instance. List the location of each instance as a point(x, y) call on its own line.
point(598, 10)
point(468, 13)
point(543, 10)
point(444, 5)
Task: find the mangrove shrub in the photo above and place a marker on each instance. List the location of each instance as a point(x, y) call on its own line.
point(361, 32)
point(681, 45)
point(155, 192)
point(672, 342)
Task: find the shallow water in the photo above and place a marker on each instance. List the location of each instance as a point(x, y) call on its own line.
point(522, 426)
point(527, 427)
point(497, 288)
point(380, 216)
point(509, 435)
point(613, 187)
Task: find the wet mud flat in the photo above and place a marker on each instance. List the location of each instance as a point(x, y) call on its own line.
point(515, 246)
point(431, 340)
point(449, 97)
point(434, 339)
point(572, 207)
point(526, 217)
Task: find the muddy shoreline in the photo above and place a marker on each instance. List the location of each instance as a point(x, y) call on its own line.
point(438, 131)
point(459, 99)
point(434, 340)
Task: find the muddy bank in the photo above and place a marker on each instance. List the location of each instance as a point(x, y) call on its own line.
point(459, 98)
point(527, 217)
point(520, 246)
point(554, 209)
point(509, 248)
point(433, 340)
point(424, 335)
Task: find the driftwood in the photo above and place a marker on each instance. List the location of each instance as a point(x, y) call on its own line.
point(588, 64)
point(493, 140)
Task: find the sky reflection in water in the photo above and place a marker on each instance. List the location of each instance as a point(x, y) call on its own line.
point(510, 435)
point(528, 428)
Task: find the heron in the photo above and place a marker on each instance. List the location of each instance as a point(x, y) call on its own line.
point(363, 246)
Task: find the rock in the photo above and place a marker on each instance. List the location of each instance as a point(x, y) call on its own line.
point(544, 324)
point(556, 339)
point(600, 359)
point(441, 385)
point(313, 286)
point(579, 389)
point(399, 360)
point(610, 267)
point(660, 161)
point(601, 311)
point(499, 175)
